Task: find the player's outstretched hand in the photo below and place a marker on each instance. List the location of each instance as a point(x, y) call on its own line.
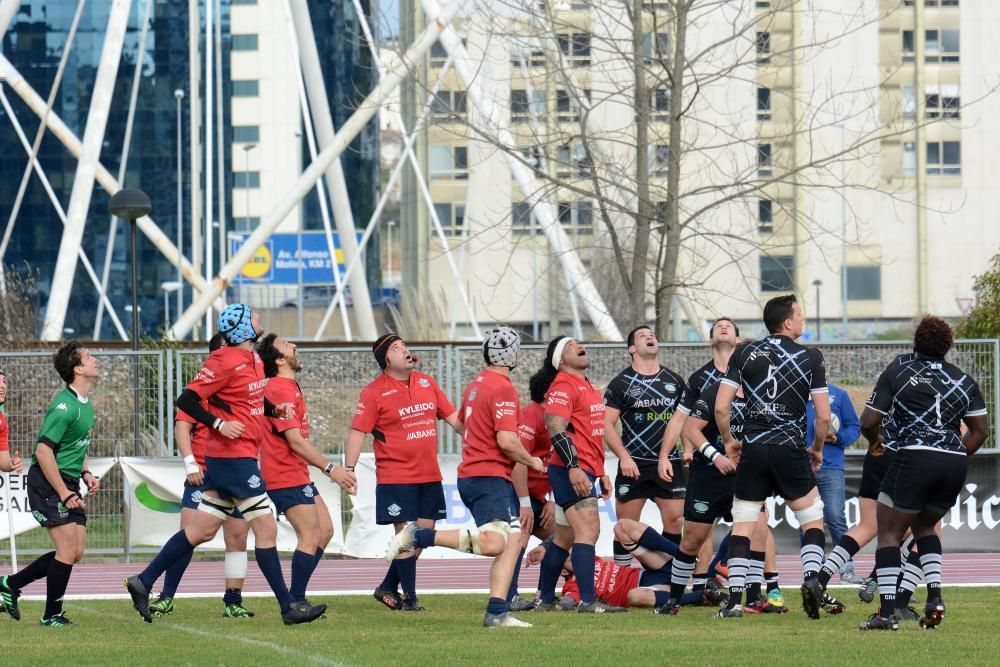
point(232, 430)
point(817, 457)
point(628, 467)
point(665, 469)
point(724, 464)
point(347, 480)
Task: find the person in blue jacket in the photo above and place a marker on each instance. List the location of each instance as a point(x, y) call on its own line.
point(844, 432)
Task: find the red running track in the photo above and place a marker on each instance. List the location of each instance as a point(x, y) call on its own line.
point(340, 577)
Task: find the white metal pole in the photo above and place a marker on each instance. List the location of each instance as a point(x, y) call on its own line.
point(314, 171)
point(126, 144)
point(104, 178)
point(209, 141)
point(10, 522)
point(320, 190)
point(577, 276)
point(179, 95)
point(8, 9)
point(220, 128)
point(47, 186)
point(83, 182)
point(336, 184)
point(194, 134)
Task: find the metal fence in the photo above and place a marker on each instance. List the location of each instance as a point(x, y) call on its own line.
point(333, 377)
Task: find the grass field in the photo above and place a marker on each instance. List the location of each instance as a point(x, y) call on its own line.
point(358, 631)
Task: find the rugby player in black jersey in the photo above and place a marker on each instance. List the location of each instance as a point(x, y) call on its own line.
point(929, 400)
point(777, 376)
point(644, 397)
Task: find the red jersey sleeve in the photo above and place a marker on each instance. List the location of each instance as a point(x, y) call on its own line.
point(366, 411)
point(278, 393)
point(504, 408)
point(444, 407)
point(181, 416)
point(559, 399)
point(570, 589)
point(4, 434)
point(212, 377)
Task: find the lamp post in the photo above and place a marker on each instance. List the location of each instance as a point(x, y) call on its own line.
point(131, 204)
point(392, 223)
point(817, 284)
point(179, 95)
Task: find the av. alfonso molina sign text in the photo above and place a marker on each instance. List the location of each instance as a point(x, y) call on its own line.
point(282, 257)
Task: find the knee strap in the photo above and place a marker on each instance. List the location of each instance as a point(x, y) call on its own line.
point(561, 516)
point(813, 512)
point(502, 527)
point(746, 511)
point(220, 509)
point(256, 507)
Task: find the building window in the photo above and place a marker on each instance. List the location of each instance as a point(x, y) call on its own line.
point(765, 215)
point(777, 273)
point(246, 88)
point(909, 158)
point(243, 2)
point(533, 156)
point(655, 6)
point(449, 106)
point(577, 217)
point(520, 218)
point(521, 108)
point(864, 283)
point(660, 103)
point(451, 216)
point(763, 48)
point(934, 3)
point(246, 223)
point(246, 134)
point(526, 48)
point(763, 4)
point(763, 103)
point(450, 162)
point(764, 165)
point(572, 161)
point(246, 179)
point(655, 47)
point(944, 158)
point(244, 42)
point(567, 106)
point(575, 46)
point(658, 156)
point(939, 46)
point(942, 102)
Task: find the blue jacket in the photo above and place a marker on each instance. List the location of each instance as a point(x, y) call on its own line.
point(850, 427)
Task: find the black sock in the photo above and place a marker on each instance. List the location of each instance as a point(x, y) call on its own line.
point(673, 537)
point(811, 551)
point(698, 580)
point(233, 596)
point(57, 581)
point(772, 581)
point(33, 571)
point(739, 551)
point(887, 562)
point(623, 556)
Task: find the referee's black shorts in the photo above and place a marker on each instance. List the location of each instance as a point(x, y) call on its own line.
point(767, 470)
point(920, 479)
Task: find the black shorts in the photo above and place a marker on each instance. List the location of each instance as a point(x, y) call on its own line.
point(873, 472)
point(919, 479)
point(766, 470)
point(46, 506)
point(709, 495)
point(398, 503)
point(649, 486)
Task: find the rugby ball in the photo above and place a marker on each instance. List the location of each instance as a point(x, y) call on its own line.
point(834, 424)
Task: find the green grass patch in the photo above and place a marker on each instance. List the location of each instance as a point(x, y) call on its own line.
point(359, 631)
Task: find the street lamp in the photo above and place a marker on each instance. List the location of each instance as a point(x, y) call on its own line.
point(179, 95)
point(392, 223)
point(131, 204)
point(817, 284)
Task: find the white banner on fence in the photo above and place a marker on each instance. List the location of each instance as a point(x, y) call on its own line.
point(153, 493)
point(14, 499)
point(366, 539)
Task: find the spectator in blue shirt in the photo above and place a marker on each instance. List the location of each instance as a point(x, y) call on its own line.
point(830, 477)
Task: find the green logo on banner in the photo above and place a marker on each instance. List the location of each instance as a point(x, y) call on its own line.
point(148, 499)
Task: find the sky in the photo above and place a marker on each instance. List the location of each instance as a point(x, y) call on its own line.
point(389, 21)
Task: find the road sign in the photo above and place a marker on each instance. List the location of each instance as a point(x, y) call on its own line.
point(280, 259)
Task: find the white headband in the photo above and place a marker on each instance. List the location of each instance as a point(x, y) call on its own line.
point(557, 353)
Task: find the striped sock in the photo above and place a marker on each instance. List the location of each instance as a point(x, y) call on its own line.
point(623, 556)
point(680, 573)
point(909, 579)
point(755, 576)
point(840, 555)
point(811, 551)
point(930, 560)
point(887, 567)
point(739, 562)
point(698, 581)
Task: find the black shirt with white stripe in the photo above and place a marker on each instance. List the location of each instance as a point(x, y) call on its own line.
point(646, 404)
point(704, 409)
point(700, 380)
point(778, 376)
point(927, 398)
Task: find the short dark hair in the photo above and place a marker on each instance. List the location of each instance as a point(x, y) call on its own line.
point(777, 310)
point(269, 354)
point(736, 327)
point(630, 339)
point(216, 341)
point(933, 337)
point(539, 383)
point(66, 359)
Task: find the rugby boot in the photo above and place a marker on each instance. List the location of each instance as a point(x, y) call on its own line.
point(933, 615)
point(140, 597)
point(505, 620)
point(876, 622)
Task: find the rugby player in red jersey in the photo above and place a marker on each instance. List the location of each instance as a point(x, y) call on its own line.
point(285, 459)
point(8, 462)
point(191, 438)
point(400, 409)
point(574, 418)
point(490, 448)
point(232, 381)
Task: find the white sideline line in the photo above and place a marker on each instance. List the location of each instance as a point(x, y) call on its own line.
point(277, 648)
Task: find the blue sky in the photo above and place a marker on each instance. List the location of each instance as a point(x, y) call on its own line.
point(390, 17)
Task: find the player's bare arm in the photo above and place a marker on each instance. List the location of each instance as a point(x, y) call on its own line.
point(453, 421)
point(614, 440)
point(352, 450)
point(340, 475)
point(11, 462)
point(723, 404)
point(670, 439)
point(870, 420)
point(821, 401)
point(182, 436)
point(975, 436)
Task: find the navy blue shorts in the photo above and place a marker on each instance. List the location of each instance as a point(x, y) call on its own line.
point(536, 507)
point(395, 503)
point(192, 497)
point(234, 479)
point(490, 499)
point(659, 577)
point(292, 496)
point(562, 490)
